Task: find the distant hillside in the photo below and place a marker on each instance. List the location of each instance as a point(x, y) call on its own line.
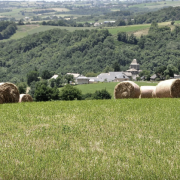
point(165, 14)
point(61, 51)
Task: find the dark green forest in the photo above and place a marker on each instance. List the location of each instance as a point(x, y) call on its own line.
point(7, 28)
point(162, 15)
point(136, 15)
point(83, 51)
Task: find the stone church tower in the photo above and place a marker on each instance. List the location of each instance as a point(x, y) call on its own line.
point(133, 72)
point(134, 65)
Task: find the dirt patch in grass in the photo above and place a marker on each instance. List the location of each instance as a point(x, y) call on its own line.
point(141, 32)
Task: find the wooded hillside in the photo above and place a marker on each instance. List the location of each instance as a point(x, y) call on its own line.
point(86, 51)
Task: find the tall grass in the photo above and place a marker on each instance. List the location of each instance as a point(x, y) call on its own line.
point(99, 139)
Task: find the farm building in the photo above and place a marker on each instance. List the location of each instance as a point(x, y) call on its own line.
point(109, 77)
point(82, 80)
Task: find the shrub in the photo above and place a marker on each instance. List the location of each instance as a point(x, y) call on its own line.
point(22, 87)
point(70, 93)
point(45, 93)
point(102, 94)
point(32, 76)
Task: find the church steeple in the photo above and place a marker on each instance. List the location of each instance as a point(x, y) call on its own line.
point(134, 65)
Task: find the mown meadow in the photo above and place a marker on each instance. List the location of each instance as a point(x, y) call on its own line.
point(91, 88)
point(93, 139)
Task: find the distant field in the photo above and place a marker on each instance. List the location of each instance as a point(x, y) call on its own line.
point(154, 5)
point(91, 88)
point(131, 28)
point(31, 29)
point(93, 139)
point(14, 13)
point(138, 30)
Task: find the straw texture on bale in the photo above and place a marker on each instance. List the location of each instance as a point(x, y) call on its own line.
point(8, 93)
point(25, 98)
point(168, 89)
point(154, 93)
point(147, 91)
point(126, 89)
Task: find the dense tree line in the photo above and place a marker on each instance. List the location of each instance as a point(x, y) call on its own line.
point(85, 51)
point(5, 10)
point(62, 23)
point(87, 11)
point(7, 28)
point(165, 14)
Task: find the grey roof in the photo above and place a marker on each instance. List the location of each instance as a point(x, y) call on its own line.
point(111, 76)
point(128, 73)
point(82, 77)
point(153, 76)
point(132, 69)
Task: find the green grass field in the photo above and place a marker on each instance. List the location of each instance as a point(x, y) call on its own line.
point(35, 28)
point(131, 28)
point(91, 88)
point(94, 139)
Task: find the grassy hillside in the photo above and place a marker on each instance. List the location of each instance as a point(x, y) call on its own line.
point(138, 29)
point(26, 30)
point(91, 88)
point(104, 139)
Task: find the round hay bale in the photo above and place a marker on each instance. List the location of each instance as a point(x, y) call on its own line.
point(8, 93)
point(154, 92)
point(146, 91)
point(25, 98)
point(168, 89)
point(126, 89)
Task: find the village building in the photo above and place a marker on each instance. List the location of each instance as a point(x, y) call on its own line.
point(109, 77)
point(75, 75)
point(82, 80)
point(96, 24)
point(134, 69)
point(153, 77)
point(176, 76)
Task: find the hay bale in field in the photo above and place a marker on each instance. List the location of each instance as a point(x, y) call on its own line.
point(147, 91)
point(154, 92)
point(126, 89)
point(8, 93)
point(168, 89)
point(25, 98)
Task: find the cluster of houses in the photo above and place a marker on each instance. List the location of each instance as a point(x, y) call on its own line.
point(131, 74)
